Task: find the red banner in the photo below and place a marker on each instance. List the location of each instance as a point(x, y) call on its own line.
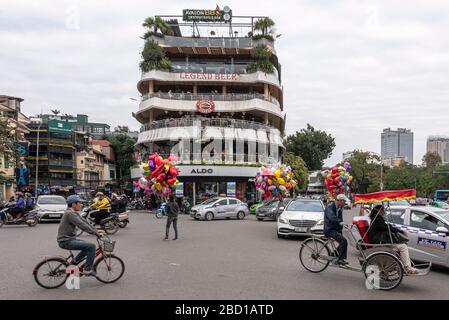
point(381, 196)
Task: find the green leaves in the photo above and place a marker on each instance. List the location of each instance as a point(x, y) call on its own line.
point(154, 57)
point(8, 139)
point(261, 62)
point(312, 146)
point(264, 25)
point(299, 169)
point(124, 149)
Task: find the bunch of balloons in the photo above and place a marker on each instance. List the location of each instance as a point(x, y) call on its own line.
point(160, 176)
point(275, 181)
point(338, 179)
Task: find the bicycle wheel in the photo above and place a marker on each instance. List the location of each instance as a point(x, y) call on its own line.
point(109, 268)
point(311, 253)
point(50, 273)
point(383, 271)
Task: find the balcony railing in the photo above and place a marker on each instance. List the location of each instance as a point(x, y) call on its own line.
point(212, 42)
point(65, 163)
point(213, 97)
point(207, 122)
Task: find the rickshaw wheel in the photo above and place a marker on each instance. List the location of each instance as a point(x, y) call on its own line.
point(310, 254)
point(383, 271)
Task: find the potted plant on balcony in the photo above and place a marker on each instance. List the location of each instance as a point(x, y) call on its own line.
point(153, 58)
point(265, 26)
point(155, 24)
point(261, 62)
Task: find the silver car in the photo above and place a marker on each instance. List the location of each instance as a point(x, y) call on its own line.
point(301, 217)
point(50, 207)
point(220, 208)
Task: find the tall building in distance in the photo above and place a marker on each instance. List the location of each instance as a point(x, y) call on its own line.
point(214, 107)
point(440, 146)
point(397, 146)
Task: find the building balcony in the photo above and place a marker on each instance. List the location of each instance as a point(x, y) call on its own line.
point(212, 45)
point(63, 163)
point(212, 77)
point(258, 105)
point(214, 97)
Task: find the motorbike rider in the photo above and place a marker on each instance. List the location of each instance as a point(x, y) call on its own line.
point(29, 202)
point(185, 205)
point(67, 234)
point(19, 206)
point(102, 206)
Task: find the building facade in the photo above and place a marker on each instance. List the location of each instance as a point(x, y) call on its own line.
point(397, 145)
point(221, 121)
point(14, 174)
point(440, 146)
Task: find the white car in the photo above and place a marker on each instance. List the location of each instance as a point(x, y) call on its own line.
point(50, 207)
point(427, 229)
point(301, 217)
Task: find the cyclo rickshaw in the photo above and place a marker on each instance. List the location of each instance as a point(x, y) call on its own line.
point(380, 263)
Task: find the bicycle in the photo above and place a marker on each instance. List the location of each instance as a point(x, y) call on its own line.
point(108, 267)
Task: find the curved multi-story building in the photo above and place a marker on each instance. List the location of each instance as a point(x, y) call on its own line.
point(222, 122)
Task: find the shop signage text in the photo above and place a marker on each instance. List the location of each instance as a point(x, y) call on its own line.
point(208, 76)
point(202, 171)
point(207, 15)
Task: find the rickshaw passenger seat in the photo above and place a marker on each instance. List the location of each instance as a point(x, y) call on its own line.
point(362, 226)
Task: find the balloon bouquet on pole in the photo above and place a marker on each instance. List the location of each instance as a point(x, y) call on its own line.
point(274, 182)
point(338, 180)
point(159, 178)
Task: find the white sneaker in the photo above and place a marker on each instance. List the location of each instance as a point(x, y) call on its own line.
point(411, 271)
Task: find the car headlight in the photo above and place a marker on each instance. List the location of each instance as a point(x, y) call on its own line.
point(320, 222)
point(273, 210)
point(283, 220)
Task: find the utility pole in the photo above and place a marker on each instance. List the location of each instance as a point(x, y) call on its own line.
point(37, 159)
point(381, 176)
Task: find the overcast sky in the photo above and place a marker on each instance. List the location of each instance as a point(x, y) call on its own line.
point(349, 67)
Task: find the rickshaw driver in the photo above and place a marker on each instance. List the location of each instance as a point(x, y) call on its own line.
point(333, 225)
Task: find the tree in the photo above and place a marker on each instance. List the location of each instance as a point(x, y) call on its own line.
point(313, 146)
point(154, 58)
point(261, 61)
point(263, 25)
point(365, 171)
point(431, 160)
point(155, 24)
point(123, 146)
point(299, 169)
point(8, 141)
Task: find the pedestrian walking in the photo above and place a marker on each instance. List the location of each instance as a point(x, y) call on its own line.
point(172, 217)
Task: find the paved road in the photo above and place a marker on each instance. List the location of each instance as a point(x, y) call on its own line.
point(227, 259)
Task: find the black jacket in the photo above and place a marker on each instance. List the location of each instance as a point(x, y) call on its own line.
point(172, 209)
point(379, 231)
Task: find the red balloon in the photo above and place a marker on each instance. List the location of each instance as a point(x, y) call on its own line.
point(161, 177)
point(171, 181)
point(173, 172)
point(158, 170)
point(334, 170)
point(158, 161)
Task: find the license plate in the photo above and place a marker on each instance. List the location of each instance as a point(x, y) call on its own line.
point(301, 229)
point(54, 215)
point(262, 214)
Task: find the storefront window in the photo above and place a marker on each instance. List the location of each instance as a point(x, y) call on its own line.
point(206, 190)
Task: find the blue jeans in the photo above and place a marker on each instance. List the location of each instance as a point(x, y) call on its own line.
point(87, 250)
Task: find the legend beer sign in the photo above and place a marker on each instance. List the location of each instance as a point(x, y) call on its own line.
point(208, 76)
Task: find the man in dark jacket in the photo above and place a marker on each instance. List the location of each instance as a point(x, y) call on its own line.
point(333, 222)
point(172, 216)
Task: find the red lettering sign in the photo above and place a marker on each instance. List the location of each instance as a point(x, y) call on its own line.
point(205, 106)
point(209, 76)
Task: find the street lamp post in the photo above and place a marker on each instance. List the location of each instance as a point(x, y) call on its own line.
point(381, 176)
point(37, 159)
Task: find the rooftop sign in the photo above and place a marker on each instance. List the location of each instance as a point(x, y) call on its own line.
point(216, 15)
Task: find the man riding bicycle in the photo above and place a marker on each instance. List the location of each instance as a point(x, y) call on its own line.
point(102, 206)
point(67, 234)
point(333, 225)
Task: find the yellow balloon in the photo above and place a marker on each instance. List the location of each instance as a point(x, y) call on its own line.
point(277, 173)
point(158, 186)
point(146, 167)
point(270, 182)
point(281, 181)
point(166, 168)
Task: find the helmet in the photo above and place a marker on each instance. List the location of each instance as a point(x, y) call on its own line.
point(19, 194)
point(99, 194)
point(28, 194)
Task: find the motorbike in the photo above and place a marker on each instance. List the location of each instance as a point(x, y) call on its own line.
point(185, 207)
point(161, 212)
point(122, 212)
point(109, 224)
point(30, 218)
point(137, 204)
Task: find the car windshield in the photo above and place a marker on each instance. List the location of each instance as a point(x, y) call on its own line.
point(272, 203)
point(209, 201)
point(51, 200)
point(305, 205)
point(442, 195)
